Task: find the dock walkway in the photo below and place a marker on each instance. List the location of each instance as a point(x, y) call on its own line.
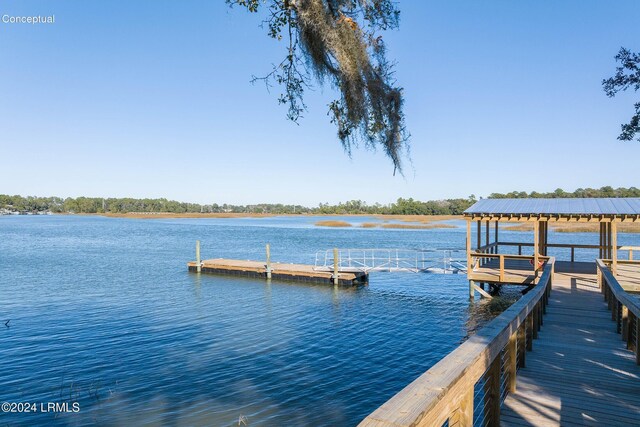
point(579, 371)
point(279, 271)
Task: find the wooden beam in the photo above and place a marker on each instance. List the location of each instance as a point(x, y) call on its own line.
point(486, 234)
point(482, 291)
point(512, 366)
point(600, 243)
point(608, 236)
point(468, 248)
point(614, 246)
point(536, 236)
point(494, 392)
point(465, 413)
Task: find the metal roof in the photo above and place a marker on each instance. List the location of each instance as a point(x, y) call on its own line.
point(587, 206)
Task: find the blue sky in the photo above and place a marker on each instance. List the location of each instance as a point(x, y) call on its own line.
point(152, 99)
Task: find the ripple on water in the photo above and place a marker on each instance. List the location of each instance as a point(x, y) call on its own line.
point(108, 316)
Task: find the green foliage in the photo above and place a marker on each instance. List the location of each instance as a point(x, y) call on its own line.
point(606, 191)
point(126, 205)
point(400, 207)
point(627, 76)
point(338, 41)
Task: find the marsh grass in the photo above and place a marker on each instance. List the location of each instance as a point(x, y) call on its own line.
point(417, 226)
point(332, 223)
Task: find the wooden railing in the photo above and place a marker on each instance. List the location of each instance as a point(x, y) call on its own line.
point(630, 249)
point(625, 308)
point(573, 247)
point(479, 373)
point(478, 259)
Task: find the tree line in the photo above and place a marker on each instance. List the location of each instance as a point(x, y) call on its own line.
point(579, 193)
point(131, 205)
point(400, 207)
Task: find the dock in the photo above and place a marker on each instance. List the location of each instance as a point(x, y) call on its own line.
point(567, 353)
point(279, 271)
point(579, 372)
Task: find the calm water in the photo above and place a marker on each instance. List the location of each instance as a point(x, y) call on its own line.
point(104, 313)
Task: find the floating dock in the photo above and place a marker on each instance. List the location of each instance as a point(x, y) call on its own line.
point(279, 271)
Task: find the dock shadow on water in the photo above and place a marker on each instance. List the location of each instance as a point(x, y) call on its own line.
point(111, 320)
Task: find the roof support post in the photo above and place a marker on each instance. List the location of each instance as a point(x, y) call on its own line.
point(601, 241)
point(614, 246)
point(609, 240)
point(486, 234)
point(469, 266)
point(536, 237)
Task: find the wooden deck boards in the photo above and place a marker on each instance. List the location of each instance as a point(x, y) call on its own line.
point(281, 271)
point(579, 372)
point(629, 277)
point(521, 271)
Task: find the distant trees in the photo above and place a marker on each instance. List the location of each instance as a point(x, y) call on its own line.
point(126, 205)
point(400, 207)
point(627, 76)
point(606, 191)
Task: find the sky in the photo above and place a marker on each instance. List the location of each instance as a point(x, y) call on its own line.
point(153, 99)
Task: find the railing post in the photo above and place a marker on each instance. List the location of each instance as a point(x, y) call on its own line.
point(536, 322)
point(540, 313)
point(522, 339)
point(502, 268)
point(529, 327)
point(573, 250)
point(465, 412)
point(599, 278)
point(637, 341)
point(625, 323)
point(630, 329)
point(619, 317)
point(512, 367)
point(494, 392)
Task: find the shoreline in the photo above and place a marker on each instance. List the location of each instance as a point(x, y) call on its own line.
point(154, 215)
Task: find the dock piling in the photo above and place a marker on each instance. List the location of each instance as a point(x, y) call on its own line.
point(335, 266)
point(198, 260)
point(268, 261)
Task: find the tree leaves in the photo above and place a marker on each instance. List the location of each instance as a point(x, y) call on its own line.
point(336, 41)
point(627, 76)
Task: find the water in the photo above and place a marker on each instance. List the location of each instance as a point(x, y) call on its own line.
point(103, 313)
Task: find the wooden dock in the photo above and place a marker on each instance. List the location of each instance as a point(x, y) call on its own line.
point(566, 354)
point(579, 371)
point(279, 271)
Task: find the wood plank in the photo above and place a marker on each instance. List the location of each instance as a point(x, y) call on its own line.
point(580, 372)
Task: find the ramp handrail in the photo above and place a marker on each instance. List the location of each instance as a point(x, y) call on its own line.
point(413, 260)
